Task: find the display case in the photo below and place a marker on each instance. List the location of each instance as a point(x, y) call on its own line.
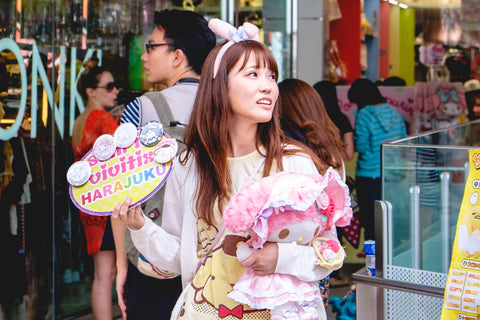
point(423, 180)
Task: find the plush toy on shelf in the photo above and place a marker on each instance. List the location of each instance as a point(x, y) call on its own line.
point(288, 207)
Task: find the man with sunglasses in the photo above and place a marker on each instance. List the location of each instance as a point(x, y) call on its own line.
point(174, 57)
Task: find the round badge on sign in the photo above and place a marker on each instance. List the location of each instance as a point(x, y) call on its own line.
point(165, 151)
point(79, 173)
point(151, 133)
point(125, 135)
point(104, 147)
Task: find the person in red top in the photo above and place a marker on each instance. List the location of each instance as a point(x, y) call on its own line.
point(98, 90)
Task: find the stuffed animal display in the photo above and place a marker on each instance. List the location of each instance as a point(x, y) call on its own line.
point(288, 207)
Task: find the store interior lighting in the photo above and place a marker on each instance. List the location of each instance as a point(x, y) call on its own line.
point(427, 3)
point(396, 3)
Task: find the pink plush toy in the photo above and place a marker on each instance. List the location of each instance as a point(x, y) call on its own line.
point(288, 207)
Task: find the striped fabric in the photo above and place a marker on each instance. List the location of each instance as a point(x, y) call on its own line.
point(375, 125)
point(131, 113)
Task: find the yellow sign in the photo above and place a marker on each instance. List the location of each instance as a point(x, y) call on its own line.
point(130, 172)
point(462, 292)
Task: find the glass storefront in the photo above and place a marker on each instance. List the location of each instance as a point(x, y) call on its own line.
point(47, 273)
point(423, 183)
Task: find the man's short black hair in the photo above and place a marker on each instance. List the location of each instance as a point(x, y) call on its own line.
point(188, 32)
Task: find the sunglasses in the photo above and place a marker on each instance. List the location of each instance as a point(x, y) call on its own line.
point(109, 86)
point(150, 46)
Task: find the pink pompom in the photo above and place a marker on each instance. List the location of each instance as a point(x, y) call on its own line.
point(251, 30)
point(221, 28)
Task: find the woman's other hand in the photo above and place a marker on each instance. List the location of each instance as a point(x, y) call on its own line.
point(133, 217)
point(263, 261)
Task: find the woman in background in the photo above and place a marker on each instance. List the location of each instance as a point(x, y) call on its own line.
point(376, 122)
point(303, 118)
point(98, 91)
point(327, 91)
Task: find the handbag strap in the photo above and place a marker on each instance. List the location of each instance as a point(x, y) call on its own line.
point(222, 228)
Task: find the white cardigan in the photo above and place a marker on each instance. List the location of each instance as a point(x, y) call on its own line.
point(173, 246)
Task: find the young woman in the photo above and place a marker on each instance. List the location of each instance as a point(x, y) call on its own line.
point(302, 112)
point(376, 122)
point(234, 127)
point(304, 118)
point(327, 91)
point(97, 88)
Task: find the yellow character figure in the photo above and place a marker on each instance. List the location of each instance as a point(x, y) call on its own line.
point(469, 233)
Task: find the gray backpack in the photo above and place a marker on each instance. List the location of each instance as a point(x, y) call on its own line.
point(153, 206)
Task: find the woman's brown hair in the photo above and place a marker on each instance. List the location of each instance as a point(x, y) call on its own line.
point(90, 77)
point(302, 110)
point(207, 135)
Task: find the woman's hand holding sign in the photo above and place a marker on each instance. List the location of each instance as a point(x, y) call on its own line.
point(132, 217)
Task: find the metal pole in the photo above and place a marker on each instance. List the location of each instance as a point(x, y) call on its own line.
point(445, 235)
point(415, 231)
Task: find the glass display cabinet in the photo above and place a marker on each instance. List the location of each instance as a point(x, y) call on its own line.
point(423, 181)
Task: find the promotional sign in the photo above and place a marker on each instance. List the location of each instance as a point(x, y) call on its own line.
point(401, 98)
point(131, 171)
point(462, 292)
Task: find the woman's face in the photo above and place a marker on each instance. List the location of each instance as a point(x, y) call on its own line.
point(102, 94)
point(253, 92)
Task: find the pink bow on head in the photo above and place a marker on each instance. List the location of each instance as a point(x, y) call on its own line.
point(225, 30)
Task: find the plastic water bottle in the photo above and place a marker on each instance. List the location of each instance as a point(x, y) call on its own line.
point(369, 248)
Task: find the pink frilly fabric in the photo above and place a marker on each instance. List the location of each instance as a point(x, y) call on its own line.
point(257, 208)
point(272, 203)
point(283, 292)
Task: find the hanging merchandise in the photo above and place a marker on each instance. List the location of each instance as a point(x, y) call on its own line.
point(475, 63)
point(439, 105)
point(458, 64)
point(363, 57)
point(365, 34)
point(334, 12)
point(472, 96)
point(447, 102)
point(450, 30)
point(470, 23)
point(351, 233)
point(432, 56)
point(187, 4)
point(461, 298)
point(337, 68)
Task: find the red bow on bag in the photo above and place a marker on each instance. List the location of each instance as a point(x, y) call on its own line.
point(236, 312)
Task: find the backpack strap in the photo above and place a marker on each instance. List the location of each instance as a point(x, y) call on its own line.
point(153, 206)
point(166, 118)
